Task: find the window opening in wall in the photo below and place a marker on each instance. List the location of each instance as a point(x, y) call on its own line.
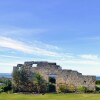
point(34, 65)
point(19, 68)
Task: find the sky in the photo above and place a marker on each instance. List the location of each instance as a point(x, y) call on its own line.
point(63, 31)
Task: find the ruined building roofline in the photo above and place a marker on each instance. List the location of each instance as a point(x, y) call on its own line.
point(37, 62)
point(19, 65)
point(89, 75)
point(45, 63)
point(69, 70)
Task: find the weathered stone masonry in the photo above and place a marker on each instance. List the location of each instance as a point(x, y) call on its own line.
point(62, 76)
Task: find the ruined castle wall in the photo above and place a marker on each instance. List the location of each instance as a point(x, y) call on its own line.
point(76, 79)
point(62, 76)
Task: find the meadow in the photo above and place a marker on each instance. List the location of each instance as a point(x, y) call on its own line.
point(5, 96)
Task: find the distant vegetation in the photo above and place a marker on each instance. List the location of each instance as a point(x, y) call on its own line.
point(98, 82)
point(5, 85)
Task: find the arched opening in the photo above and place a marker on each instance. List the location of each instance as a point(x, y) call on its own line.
point(84, 81)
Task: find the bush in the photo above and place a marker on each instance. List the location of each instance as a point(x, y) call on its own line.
point(1, 90)
point(40, 84)
point(67, 88)
point(82, 89)
point(98, 82)
point(7, 86)
point(97, 89)
point(71, 88)
point(63, 88)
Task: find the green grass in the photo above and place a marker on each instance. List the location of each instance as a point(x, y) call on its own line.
point(50, 97)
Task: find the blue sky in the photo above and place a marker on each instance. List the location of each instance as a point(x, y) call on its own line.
point(63, 31)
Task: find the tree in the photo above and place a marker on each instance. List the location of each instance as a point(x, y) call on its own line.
point(39, 83)
point(16, 80)
point(20, 80)
point(25, 81)
point(7, 86)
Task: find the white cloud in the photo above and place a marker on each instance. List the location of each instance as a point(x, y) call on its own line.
point(47, 46)
point(26, 48)
point(89, 56)
point(82, 63)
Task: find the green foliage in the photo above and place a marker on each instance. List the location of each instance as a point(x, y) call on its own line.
point(20, 80)
point(16, 80)
point(7, 86)
point(97, 89)
point(82, 89)
point(63, 88)
point(67, 88)
point(1, 90)
point(24, 81)
point(71, 88)
point(98, 82)
point(40, 84)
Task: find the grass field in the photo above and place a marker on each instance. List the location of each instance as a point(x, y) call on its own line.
point(50, 97)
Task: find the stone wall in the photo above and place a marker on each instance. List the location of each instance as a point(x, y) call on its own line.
point(62, 76)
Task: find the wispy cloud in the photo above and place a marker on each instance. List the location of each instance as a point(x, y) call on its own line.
point(24, 47)
point(45, 52)
point(47, 46)
point(9, 56)
point(36, 50)
point(89, 56)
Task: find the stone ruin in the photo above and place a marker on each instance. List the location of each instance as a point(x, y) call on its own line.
point(62, 76)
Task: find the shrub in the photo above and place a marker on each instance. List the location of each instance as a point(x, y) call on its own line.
point(98, 82)
point(97, 89)
point(40, 84)
point(82, 89)
point(1, 90)
point(71, 88)
point(7, 86)
point(63, 88)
